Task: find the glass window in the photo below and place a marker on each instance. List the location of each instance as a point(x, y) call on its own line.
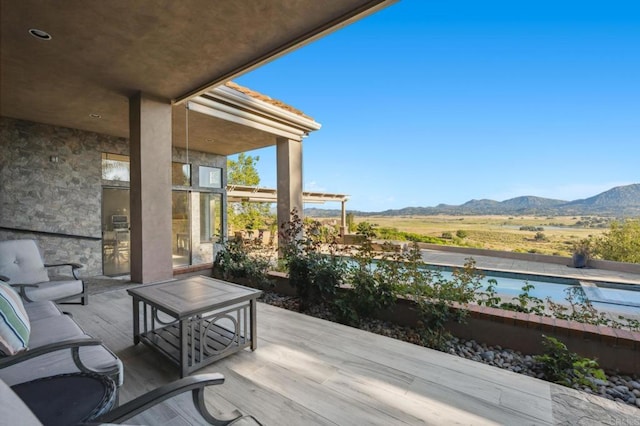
point(115, 167)
point(210, 177)
point(210, 217)
point(180, 174)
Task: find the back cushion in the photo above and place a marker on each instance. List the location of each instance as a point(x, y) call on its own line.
point(20, 260)
point(14, 322)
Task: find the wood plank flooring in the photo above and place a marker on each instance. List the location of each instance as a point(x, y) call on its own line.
point(307, 371)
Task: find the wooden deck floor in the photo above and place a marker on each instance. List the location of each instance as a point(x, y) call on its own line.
point(307, 371)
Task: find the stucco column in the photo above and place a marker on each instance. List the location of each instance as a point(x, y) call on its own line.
point(289, 159)
point(150, 150)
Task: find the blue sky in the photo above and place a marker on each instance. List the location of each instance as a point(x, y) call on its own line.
point(429, 102)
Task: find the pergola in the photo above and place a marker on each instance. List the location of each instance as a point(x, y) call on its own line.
point(255, 194)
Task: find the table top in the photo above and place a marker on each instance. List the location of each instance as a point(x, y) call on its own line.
point(193, 295)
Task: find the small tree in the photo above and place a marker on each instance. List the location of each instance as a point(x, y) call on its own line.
point(246, 215)
point(621, 243)
point(350, 225)
point(366, 229)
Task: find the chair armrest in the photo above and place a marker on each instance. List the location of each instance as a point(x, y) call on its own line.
point(4, 278)
point(74, 345)
point(23, 285)
point(43, 350)
point(195, 384)
point(22, 292)
point(74, 267)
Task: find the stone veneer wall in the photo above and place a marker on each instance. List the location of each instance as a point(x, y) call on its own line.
point(60, 199)
point(59, 203)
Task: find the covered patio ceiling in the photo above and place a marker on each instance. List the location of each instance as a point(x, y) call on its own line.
point(101, 53)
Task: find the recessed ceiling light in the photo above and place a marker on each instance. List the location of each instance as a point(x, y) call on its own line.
point(39, 34)
point(95, 116)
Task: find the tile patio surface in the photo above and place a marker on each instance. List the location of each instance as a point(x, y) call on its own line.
point(308, 371)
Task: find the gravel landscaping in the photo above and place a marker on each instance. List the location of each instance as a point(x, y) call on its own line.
point(620, 388)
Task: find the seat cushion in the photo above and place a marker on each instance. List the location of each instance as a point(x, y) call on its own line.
point(52, 330)
point(15, 328)
point(21, 262)
point(54, 290)
point(41, 309)
point(68, 399)
point(61, 362)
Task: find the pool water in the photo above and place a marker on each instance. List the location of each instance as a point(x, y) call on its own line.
point(603, 296)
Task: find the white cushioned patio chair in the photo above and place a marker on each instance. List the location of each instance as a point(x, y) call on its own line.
point(22, 267)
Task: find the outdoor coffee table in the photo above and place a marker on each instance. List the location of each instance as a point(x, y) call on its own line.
point(195, 321)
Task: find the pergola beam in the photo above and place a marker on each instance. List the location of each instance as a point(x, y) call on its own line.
point(255, 194)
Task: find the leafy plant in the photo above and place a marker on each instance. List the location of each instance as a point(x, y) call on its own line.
point(439, 299)
point(580, 309)
point(489, 297)
point(621, 243)
point(524, 302)
point(367, 229)
point(583, 247)
point(373, 280)
point(234, 261)
point(316, 274)
point(565, 367)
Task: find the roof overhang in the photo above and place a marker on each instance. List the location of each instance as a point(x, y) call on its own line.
point(254, 194)
point(101, 53)
point(230, 105)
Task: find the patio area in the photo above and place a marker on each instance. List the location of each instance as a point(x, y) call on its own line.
point(310, 371)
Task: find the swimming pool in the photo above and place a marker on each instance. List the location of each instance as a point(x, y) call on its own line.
point(603, 295)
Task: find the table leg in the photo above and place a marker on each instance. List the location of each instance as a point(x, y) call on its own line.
point(136, 321)
point(184, 348)
point(254, 328)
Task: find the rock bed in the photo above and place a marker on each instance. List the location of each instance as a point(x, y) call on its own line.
point(620, 388)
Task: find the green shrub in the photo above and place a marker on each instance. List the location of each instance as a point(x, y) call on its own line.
point(565, 367)
point(315, 275)
point(234, 261)
point(524, 302)
point(438, 298)
point(621, 243)
point(372, 283)
point(460, 233)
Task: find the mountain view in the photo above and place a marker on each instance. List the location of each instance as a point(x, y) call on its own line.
point(621, 201)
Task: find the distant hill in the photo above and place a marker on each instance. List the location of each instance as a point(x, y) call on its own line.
point(621, 201)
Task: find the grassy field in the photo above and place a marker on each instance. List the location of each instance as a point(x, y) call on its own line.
point(500, 232)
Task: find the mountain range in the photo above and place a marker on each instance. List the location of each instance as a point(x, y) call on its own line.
point(621, 201)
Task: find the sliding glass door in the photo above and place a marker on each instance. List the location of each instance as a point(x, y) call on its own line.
point(115, 231)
